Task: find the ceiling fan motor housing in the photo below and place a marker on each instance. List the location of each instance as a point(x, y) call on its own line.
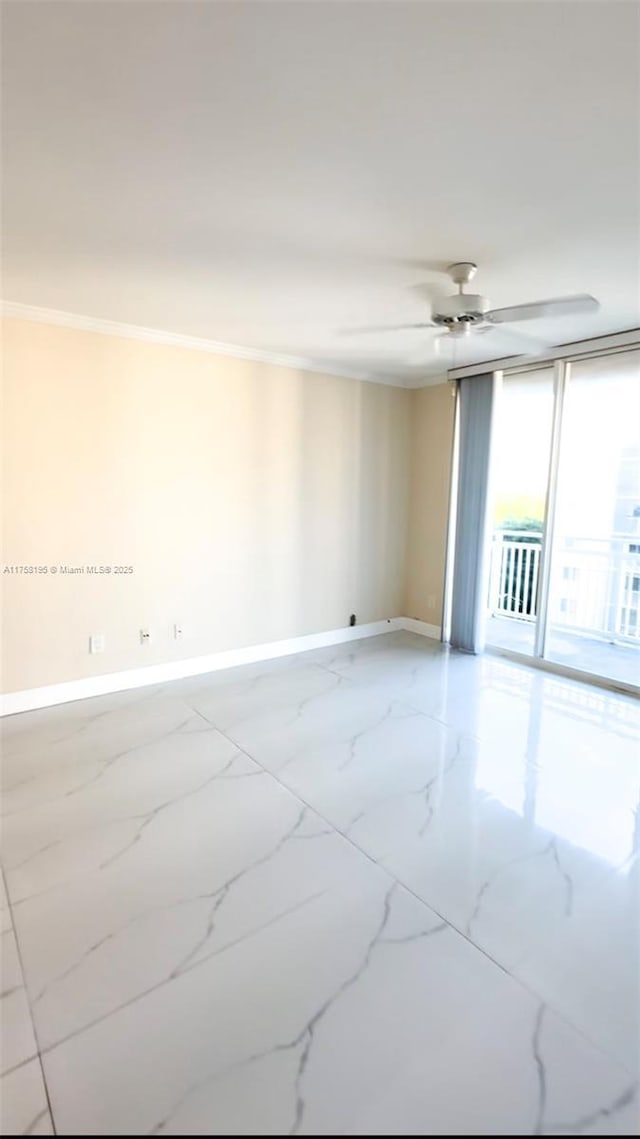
point(465, 308)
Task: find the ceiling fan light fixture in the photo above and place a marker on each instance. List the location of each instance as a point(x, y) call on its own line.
point(459, 329)
point(467, 308)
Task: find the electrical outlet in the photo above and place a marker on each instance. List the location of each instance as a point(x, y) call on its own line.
point(177, 632)
point(96, 643)
point(431, 601)
point(145, 636)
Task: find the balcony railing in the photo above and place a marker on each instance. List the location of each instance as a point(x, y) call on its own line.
point(515, 567)
point(595, 586)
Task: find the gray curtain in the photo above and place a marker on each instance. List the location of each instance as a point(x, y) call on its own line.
point(468, 600)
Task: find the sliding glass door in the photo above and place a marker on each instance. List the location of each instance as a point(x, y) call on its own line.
point(520, 471)
point(593, 615)
point(565, 548)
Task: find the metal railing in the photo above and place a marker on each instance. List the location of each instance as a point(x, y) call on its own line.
point(595, 583)
point(513, 579)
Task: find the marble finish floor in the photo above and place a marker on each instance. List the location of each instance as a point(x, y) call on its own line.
point(373, 889)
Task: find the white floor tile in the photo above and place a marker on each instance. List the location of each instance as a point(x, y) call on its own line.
point(360, 1014)
point(378, 888)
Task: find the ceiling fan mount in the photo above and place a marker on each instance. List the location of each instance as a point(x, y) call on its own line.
point(461, 272)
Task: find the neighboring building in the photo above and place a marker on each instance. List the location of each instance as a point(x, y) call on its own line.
point(597, 580)
point(626, 525)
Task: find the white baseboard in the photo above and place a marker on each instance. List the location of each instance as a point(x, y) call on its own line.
point(414, 626)
point(32, 698)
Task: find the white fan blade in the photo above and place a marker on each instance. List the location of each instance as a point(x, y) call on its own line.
point(383, 328)
point(538, 310)
point(522, 344)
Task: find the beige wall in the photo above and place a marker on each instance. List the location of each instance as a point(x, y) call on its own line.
point(253, 502)
point(432, 420)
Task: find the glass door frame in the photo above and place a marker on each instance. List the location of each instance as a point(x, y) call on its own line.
point(562, 372)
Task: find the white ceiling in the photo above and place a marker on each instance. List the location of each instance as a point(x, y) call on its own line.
point(269, 173)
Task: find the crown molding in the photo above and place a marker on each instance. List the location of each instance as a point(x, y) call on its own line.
point(215, 347)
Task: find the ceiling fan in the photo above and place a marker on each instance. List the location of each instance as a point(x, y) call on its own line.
point(464, 315)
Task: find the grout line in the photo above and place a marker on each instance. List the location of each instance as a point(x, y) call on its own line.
point(374, 862)
point(46, 1091)
point(38, 1054)
point(503, 968)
